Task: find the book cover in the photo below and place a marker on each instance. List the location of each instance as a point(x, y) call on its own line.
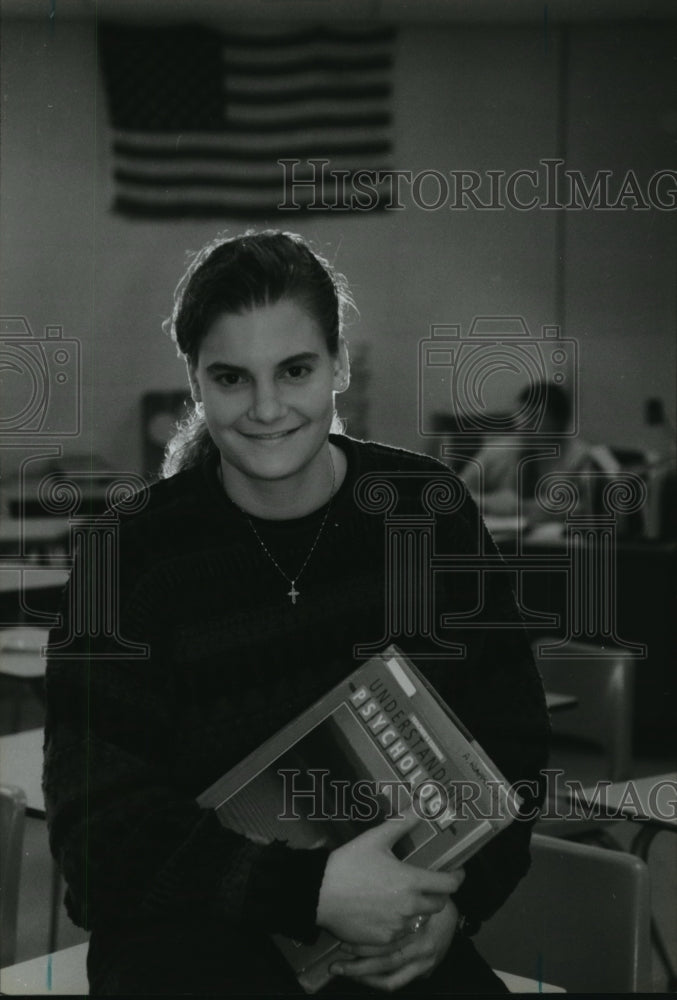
point(377, 740)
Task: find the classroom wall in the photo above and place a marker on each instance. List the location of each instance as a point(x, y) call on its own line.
point(621, 267)
point(466, 98)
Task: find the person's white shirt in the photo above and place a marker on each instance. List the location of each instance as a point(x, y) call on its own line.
point(493, 475)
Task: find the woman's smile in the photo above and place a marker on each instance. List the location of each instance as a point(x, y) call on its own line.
point(269, 435)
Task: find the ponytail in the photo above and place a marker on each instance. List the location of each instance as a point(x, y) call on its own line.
point(191, 445)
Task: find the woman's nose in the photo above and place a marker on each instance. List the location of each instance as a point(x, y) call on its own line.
point(267, 403)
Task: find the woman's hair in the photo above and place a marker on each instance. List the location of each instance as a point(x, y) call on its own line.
point(236, 274)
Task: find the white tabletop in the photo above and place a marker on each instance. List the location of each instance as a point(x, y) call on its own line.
point(17, 579)
point(652, 799)
point(22, 664)
point(63, 973)
point(33, 529)
point(21, 765)
point(21, 651)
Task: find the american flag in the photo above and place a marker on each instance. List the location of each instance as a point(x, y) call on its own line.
point(208, 123)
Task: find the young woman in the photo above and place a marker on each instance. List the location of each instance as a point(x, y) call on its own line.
point(250, 575)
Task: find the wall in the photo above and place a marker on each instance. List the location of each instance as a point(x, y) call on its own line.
point(621, 266)
point(467, 97)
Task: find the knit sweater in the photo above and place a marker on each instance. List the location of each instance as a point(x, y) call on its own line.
point(131, 741)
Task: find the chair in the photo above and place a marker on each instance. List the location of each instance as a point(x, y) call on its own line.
point(601, 723)
point(12, 814)
point(579, 919)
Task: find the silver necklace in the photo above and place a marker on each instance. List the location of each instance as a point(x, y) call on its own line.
point(294, 593)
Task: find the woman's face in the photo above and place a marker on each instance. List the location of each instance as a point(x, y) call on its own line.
point(266, 380)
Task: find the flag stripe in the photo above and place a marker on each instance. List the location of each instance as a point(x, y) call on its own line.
point(302, 123)
point(263, 171)
point(203, 201)
point(309, 83)
point(183, 148)
point(190, 180)
point(192, 209)
point(303, 95)
point(292, 114)
point(307, 64)
point(266, 37)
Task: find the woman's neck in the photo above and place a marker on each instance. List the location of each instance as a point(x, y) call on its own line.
point(291, 497)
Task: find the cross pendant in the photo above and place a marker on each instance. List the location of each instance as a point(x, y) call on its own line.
point(293, 593)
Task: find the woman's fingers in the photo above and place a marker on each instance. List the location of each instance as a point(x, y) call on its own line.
point(391, 830)
point(391, 981)
point(350, 951)
point(427, 903)
point(386, 973)
point(439, 882)
point(360, 960)
point(371, 965)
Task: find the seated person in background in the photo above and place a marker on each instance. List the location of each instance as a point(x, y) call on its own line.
point(502, 487)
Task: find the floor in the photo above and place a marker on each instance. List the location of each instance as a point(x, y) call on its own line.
point(33, 918)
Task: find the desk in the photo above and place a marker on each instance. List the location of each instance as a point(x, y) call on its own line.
point(650, 801)
point(22, 500)
point(23, 665)
point(33, 530)
point(61, 973)
point(21, 764)
point(16, 579)
point(21, 652)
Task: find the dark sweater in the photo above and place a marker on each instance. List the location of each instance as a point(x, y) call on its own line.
point(131, 742)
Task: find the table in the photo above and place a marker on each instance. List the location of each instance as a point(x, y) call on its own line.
point(21, 765)
point(651, 801)
point(61, 973)
point(33, 530)
point(15, 579)
point(26, 665)
point(21, 652)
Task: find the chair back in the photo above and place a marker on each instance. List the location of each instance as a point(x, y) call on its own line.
point(579, 919)
point(602, 719)
point(12, 815)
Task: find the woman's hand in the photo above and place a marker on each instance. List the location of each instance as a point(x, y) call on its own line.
point(390, 967)
point(368, 897)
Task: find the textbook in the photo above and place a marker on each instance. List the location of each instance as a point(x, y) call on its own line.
point(381, 739)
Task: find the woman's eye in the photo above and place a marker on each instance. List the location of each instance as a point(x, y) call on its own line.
point(230, 378)
point(298, 371)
